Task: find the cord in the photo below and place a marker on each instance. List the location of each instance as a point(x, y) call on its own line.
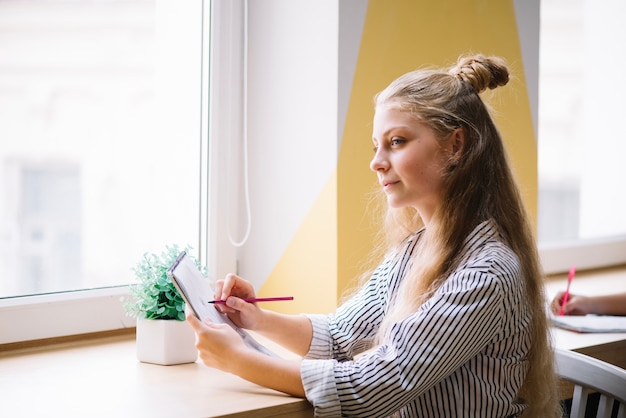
point(245, 135)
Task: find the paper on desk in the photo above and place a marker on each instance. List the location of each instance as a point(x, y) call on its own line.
point(590, 323)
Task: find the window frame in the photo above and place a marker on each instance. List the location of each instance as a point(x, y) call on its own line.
point(45, 316)
point(589, 254)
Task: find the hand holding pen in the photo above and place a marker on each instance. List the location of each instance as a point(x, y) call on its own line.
point(570, 277)
point(243, 308)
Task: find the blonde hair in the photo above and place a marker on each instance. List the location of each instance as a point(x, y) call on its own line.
point(482, 180)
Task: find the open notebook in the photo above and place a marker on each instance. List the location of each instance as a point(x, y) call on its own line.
point(590, 323)
point(197, 293)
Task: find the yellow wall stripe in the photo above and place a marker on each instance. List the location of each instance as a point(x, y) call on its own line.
point(308, 268)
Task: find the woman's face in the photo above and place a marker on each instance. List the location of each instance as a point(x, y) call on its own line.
point(409, 160)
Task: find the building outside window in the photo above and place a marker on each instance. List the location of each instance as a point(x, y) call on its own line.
point(100, 125)
point(581, 198)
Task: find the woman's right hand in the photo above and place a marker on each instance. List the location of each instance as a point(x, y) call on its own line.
point(576, 304)
point(233, 289)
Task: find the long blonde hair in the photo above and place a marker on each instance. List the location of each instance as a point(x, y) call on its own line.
point(478, 186)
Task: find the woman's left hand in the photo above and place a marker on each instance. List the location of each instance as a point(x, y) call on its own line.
point(218, 344)
point(220, 347)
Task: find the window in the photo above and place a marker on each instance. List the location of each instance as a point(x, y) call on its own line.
point(581, 198)
point(101, 101)
point(103, 126)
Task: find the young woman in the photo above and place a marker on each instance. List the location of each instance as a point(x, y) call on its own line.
point(452, 323)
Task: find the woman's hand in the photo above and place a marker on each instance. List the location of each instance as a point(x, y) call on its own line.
point(294, 332)
point(218, 344)
point(233, 289)
point(576, 304)
point(611, 304)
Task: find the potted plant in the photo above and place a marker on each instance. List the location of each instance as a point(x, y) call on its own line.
point(163, 335)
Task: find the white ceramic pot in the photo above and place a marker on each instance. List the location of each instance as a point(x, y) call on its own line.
point(165, 342)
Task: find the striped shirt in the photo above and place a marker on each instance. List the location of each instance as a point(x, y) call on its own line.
point(461, 354)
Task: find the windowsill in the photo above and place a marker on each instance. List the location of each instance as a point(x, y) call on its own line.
point(69, 341)
point(45, 317)
point(589, 282)
point(102, 377)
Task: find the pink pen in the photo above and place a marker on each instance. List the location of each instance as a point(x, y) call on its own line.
point(255, 300)
point(570, 276)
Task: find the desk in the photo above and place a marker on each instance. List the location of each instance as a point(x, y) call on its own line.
point(608, 347)
point(104, 379)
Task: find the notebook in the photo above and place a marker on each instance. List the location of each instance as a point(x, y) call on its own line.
point(197, 293)
point(590, 323)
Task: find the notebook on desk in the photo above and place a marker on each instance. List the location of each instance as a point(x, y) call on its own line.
point(198, 293)
point(590, 323)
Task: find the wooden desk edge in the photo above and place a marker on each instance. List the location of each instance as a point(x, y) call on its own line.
point(613, 352)
point(299, 409)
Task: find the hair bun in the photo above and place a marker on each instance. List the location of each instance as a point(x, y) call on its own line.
point(481, 72)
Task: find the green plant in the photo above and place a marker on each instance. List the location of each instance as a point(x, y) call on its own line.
point(154, 295)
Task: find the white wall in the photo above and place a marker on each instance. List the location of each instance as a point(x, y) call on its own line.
point(292, 122)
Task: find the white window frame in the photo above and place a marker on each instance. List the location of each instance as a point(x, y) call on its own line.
point(589, 254)
point(38, 317)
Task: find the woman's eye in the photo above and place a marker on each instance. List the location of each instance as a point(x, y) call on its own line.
point(397, 141)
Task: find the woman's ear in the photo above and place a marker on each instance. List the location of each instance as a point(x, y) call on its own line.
point(457, 141)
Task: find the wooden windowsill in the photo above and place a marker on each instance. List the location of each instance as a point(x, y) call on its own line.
point(592, 282)
point(102, 377)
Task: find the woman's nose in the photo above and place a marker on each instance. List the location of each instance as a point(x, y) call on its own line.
point(378, 163)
